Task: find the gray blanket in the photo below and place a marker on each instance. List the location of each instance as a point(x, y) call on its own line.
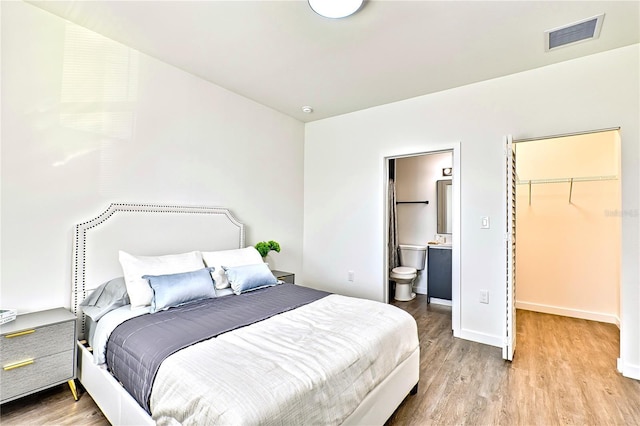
point(138, 346)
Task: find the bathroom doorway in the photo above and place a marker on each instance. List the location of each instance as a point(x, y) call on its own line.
point(568, 223)
point(414, 205)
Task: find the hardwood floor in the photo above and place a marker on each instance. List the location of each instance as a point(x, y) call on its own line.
point(564, 373)
point(53, 406)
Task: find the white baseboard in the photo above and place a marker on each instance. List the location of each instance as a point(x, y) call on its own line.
point(437, 301)
point(474, 336)
point(629, 370)
point(434, 300)
point(420, 290)
point(568, 312)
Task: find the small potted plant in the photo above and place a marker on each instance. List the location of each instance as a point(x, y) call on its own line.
point(264, 247)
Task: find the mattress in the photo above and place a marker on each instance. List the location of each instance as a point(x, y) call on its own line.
point(310, 365)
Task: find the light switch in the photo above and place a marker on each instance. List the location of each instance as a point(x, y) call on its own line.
point(484, 222)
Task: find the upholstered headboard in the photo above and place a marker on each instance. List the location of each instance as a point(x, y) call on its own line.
point(147, 230)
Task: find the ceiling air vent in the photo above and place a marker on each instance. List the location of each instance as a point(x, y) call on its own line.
point(587, 29)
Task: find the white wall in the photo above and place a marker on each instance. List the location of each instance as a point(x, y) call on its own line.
point(76, 138)
point(416, 179)
point(344, 205)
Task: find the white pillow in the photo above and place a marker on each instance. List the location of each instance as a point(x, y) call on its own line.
point(134, 267)
point(229, 258)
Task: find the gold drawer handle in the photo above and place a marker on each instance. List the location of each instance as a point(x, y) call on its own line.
point(21, 333)
point(17, 365)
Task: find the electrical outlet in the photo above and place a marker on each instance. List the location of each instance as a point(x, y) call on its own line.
point(351, 276)
point(485, 223)
point(484, 296)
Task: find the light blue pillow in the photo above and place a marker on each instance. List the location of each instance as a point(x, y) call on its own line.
point(250, 277)
point(177, 289)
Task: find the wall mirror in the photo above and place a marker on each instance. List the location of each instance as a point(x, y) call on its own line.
point(445, 197)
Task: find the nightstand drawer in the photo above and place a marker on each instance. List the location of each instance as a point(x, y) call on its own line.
point(46, 340)
point(41, 373)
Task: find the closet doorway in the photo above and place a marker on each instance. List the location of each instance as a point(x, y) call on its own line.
point(412, 200)
point(568, 225)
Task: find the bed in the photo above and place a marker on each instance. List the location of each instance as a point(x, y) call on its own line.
point(273, 354)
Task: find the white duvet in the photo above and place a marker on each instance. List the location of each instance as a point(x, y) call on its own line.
point(309, 366)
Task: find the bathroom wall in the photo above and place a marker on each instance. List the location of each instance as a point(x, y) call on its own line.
point(568, 254)
point(416, 179)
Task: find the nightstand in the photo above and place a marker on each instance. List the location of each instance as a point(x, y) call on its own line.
point(287, 277)
point(37, 351)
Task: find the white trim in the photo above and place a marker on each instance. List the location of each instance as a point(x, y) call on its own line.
point(423, 290)
point(628, 370)
point(475, 336)
point(444, 302)
point(569, 312)
point(564, 135)
point(456, 265)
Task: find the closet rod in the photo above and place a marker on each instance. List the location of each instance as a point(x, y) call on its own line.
point(570, 181)
point(412, 202)
point(566, 180)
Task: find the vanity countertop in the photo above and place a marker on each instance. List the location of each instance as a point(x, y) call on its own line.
point(440, 246)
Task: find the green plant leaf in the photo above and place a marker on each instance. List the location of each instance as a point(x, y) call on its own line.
point(265, 247)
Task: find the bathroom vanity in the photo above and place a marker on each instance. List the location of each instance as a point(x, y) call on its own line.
point(439, 272)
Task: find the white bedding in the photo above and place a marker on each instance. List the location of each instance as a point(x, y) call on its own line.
point(312, 365)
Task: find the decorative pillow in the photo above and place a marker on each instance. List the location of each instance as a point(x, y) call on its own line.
point(176, 289)
point(229, 258)
point(105, 298)
point(134, 267)
point(250, 277)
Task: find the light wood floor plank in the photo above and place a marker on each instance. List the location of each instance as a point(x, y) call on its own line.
point(564, 373)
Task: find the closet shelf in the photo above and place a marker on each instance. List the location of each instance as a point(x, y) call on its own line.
point(412, 202)
point(570, 181)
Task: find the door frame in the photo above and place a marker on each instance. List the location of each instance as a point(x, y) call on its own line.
point(454, 147)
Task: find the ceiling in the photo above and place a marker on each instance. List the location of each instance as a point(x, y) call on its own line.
point(283, 55)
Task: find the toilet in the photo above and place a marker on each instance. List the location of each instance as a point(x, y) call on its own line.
point(412, 260)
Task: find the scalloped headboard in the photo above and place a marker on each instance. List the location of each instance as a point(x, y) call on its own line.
point(146, 230)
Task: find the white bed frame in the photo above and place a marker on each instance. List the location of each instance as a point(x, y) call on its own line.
point(145, 229)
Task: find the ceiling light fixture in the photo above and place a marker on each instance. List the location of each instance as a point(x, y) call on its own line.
point(335, 8)
point(307, 109)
